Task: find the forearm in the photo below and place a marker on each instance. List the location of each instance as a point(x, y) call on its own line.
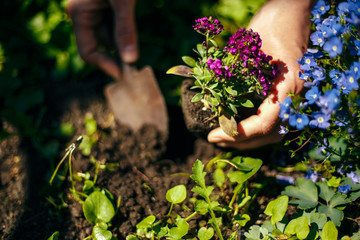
point(284, 28)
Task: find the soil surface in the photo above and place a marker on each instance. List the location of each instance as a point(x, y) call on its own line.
point(147, 165)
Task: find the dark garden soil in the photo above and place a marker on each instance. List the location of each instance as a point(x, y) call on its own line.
point(148, 165)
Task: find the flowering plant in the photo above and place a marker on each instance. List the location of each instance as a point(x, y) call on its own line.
point(328, 113)
point(225, 76)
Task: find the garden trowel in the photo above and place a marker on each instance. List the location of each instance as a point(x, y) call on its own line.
point(136, 99)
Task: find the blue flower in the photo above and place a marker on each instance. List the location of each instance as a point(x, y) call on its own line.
point(334, 47)
point(299, 121)
point(312, 95)
point(354, 177)
point(320, 120)
point(355, 69)
point(344, 189)
point(283, 130)
point(285, 180)
point(355, 47)
point(330, 101)
point(307, 62)
point(305, 75)
point(334, 75)
point(317, 39)
point(348, 82)
point(343, 8)
point(315, 53)
point(285, 110)
point(321, 6)
point(312, 175)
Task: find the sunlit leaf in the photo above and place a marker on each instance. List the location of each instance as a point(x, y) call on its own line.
point(180, 70)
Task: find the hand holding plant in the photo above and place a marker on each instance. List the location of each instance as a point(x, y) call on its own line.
point(225, 77)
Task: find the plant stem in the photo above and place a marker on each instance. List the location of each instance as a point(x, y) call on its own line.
point(212, 214)
point(171, 208)
point(236, 192)
point(190, 216)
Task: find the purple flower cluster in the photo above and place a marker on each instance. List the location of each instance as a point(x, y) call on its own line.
point(220, 70)
point(246, 44)
point(208, 25)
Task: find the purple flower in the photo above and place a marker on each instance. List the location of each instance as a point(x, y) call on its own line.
point(319, 120)
point(299, 121)
point(334, 47)
point(208, 25)
point(219, 69)
point(344, 189)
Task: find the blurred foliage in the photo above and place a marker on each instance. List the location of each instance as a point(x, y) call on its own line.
point(37, 46)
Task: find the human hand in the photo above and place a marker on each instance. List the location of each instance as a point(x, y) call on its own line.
point(92, 30)
point(284, 28)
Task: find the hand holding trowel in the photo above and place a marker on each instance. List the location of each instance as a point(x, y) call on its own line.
point(135, 97)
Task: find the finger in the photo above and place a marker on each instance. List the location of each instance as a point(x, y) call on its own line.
point(254, 142)
point(87, 16)
point(125, 30)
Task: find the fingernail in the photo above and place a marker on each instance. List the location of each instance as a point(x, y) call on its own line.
point(130, 53)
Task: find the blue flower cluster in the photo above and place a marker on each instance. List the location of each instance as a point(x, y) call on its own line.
point(330, 69)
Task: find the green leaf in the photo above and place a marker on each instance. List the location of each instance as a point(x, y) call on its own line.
point(318, 218)
point(219, 177)
point(214, 42)
point(305, 191)
point(54, 236)
point(100, 232)
point(277, 209)
point(231, 90)
point(181, 229)
point(98, 208)
point(354, 195)
point(325, 192)
point(197, 97)
point(201, 49)
point(252, 165)
point(228, 123)
point(338, 199)
point(241, 219)
point(201, 207)
point(329, 231)
point(180, 70)
point(199, 174)
point(247, 103)
point(189, 61)
point(131, 237)
point(334, 214)
point(146, 222)
point(203, 192)
point(90, 125)
point(205, 233)
point(298, 226)
point(176, 194)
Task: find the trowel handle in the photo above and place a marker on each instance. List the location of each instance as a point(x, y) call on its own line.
point(127, 71)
